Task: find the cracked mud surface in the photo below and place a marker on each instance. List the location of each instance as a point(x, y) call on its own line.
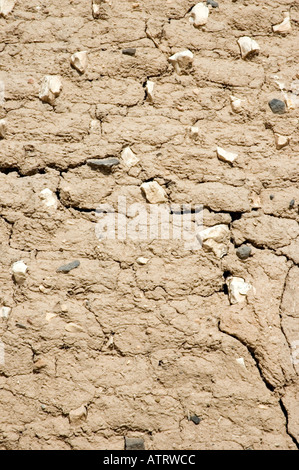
point(152, 344)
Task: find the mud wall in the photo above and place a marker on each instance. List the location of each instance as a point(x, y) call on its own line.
point(154, 349)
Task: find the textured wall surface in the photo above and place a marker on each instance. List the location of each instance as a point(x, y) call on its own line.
point(115, 348)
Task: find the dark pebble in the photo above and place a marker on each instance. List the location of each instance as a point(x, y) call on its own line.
point(66, 268)
point(132, 443)
point(212, 3)
point(195, 419)
point(243, 252)
point(105, 162)
point(20, 325)
point(292, 203)
point(129, 51)
point(271, 197)
point(277, 106)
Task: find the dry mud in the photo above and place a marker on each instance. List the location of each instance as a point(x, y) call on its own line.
point(154, 344)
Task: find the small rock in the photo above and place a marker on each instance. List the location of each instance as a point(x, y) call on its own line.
point(248, 47)
point(199, 15)
point(6, 7)
point(19, 269)
point(281, 141)
point(240, 361)
point(271, 197)
point(50, 316)
point(226, 156)
point(74, 328)
point(4, 312)
point(79, 61)
point(194, 132)
point(212, 3)
point(39, 365)
point(181, 60)
point(78, 414)
point(292, 204)
point(104, 163)
point(142, 260)
point(129, 51)
point(149, 88)
point(2, 128)
point(195, 419)
point(243, 252)
point(133, 443)
point(48, 198)
point(237, 289)
point(277, 106)
point(236, 104)
point(128, 157)
point(215, 239)
point(50, 89)
point(154, 193)
point(66, 268)
point(285, 26)
point(100, 9)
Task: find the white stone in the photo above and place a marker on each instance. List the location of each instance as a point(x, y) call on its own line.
point(237, 289)
point(50, 88)
point(4, 312)
point(285, 26)
point(281, 141)
point(50, 316)
point(19, 269)
point(129, 158)
point(142, 260)
point(215, 239)
point(181, 60)
point(236, 104)
point(79, 61)
point(154, 193)
point(248, 47)
point(199, 15)
point(73, 328)
point(48, 198)
point(241, 361)
point(149, 87)
point(2, 128)
point(97, 8)
point(78, 414)
point(194, 131)
point(226, 156)
point(6, 7)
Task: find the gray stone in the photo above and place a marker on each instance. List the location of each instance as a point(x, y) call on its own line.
point(277, 106)
point(103, 163)
point(129, 51)
point(66, 268)
point(244, 252)
point(195, 419)
point(212, 3)
point(133, 443)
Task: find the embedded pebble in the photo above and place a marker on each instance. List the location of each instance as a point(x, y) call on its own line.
point(50, 316)
point(284, 26)
point(237, 289)
point(236, 104)
point(6, 7)
point(240, 360)
point(195, 419)
point(142, 260)
point(212, 3)
point(129, 51)
point(73, 328)
point(149, 88)
point(154, 193)
point(133, 443)
point(181, 60)
point(226, 156)
point(4, 312)
point(215, 239)
point(100, 8)
point(19, 269)
point(2, 128)
point(194, 132)
point(128, 157)
point(79, 61)
point(243, 252)
point(105, 162)
point(292, 203)
point(199, 15)
point(78, 414)
point(277, 106)
point(248, 47)
point(48, 198)
point(281, 141)
point(50, 89)
point(66, 268)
